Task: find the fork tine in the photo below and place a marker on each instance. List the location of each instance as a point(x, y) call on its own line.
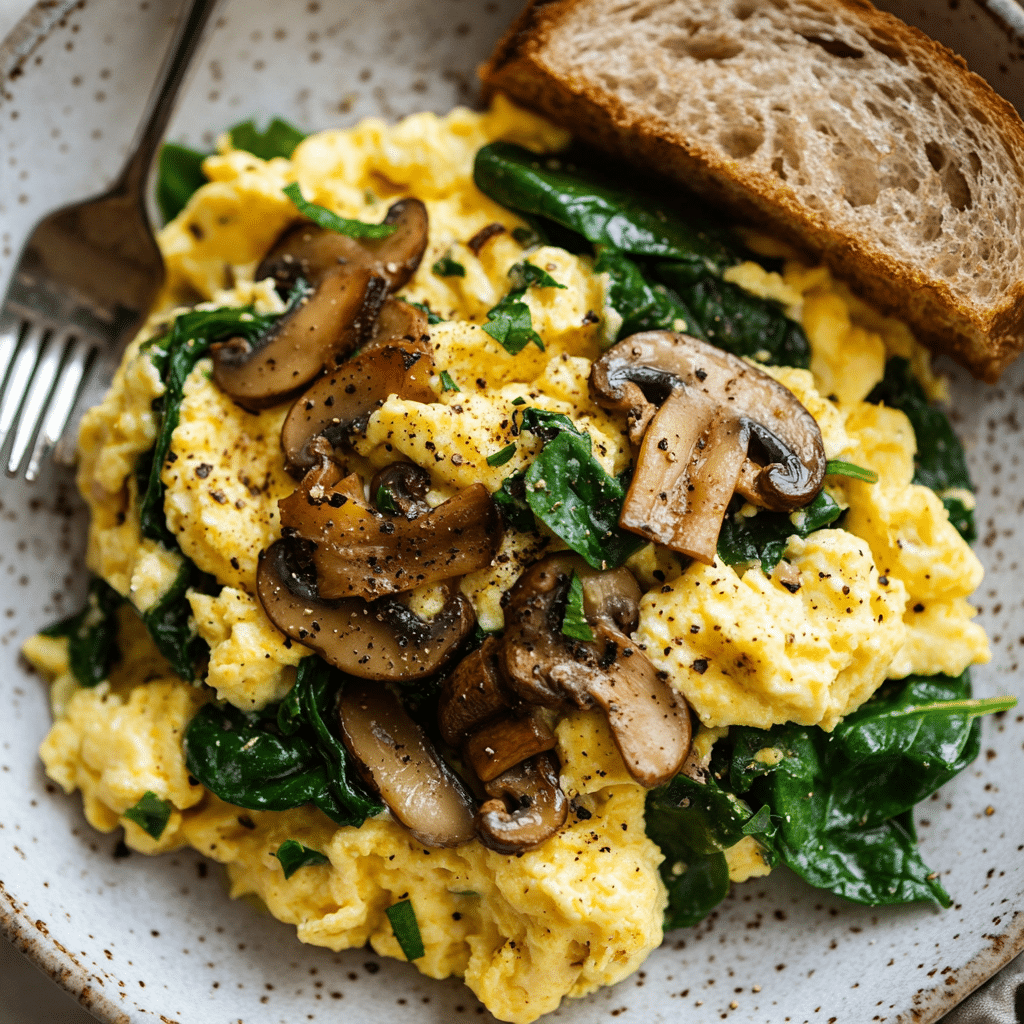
point(10, 332)
point(59, 410)
point(21, 374)
point(39, 389)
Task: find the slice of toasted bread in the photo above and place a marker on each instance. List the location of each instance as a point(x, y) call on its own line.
point(831, 123)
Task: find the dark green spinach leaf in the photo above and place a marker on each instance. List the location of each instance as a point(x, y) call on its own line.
point(282, 757)
point(179, 175)
point(643, 306)
point(168, 622)
point(762, 539)
point(175, 356)
point(940, 462)
point(510, 324)
point(279, 138)
point(511, 501)
point(574, 621)
point(92, 634)
point(603, 214)
point(406, 928)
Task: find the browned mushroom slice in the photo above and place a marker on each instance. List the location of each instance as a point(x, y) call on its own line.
point(473, 694)
point(380, 640)
point(527, 806)
point(400, 321)
point(359, 552)
point(649, 722)
point(395, 757)
point(504, 742)
point(320, 328)
point(707, 424)
point(310, 252)
point(339, 404)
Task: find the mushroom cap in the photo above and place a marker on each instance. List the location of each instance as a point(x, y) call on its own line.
point(526, 808)
point(395, 757)
point(649, 721)
point(379, 640)
point(321, 327)
point(305, 250)
point(707, 424)
point(339, 404)
point(359, 552)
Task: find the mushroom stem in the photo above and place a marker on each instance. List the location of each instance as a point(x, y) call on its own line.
point(395, 757)
point(527, 806)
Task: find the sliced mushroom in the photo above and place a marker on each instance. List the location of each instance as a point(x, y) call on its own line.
point(320, 328)
point(405, 484)
point(359, 552)
point(310, 252)
point(505, 742)
point(400, 321)
point(395, 757)
point(649, 722)
point(381, 640)
point(527, 806)
point(338, 405)
point(707, 424)
point(473, 694)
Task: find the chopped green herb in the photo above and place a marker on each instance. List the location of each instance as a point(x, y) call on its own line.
point(293, 855)
point(279, 138)
point(524, 274)
point(92, 634)
point(519, 400)
point(511, 501)
point(527, 237)
point(447, 267)
point(509, 323)
point(406, 929)
point(574, 622)
point(447, 384)
point(836, 467)
point(151, 814)
point(500, 458)
point(385, 501)
point(330, 221)
point(423, 307)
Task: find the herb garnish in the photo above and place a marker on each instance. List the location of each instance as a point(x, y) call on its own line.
point(837, 467)
point(151, 814)
point(499, 458)
point(447, 384)
point(293, 855)
point(448, 267)
point(574, 622)
point(330, 221)
point(509, 323)
point(524, 273)
point(406, 929)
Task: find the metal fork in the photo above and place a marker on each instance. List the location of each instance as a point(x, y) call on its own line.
point(83, 286)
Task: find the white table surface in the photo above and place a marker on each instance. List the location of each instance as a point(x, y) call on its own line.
point(27, 995)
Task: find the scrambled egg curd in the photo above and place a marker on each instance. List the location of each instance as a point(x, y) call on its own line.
point(883, 597)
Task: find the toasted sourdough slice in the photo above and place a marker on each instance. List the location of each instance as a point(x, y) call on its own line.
point(827, 121)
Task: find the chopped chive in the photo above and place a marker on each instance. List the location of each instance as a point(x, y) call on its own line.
point(151, 814)
point(500, 458)
point(447, 384)
point(406, 929)
point(330, 221)
point(293, 855)
point(836, 467)
point(574, 622)
point(447, 267)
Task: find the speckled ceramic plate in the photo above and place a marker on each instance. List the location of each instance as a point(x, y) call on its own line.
point(143, 940)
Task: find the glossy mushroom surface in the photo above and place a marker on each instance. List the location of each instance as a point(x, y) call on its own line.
point(649, 721)
point(322, 327)
point(360, 552)
point(338, 405)
point(307, 251)
point(707, 425)
point(526, 806)
point(379, 640)
point(395, 757)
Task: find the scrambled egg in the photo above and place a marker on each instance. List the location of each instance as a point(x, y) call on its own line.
point(883, 598)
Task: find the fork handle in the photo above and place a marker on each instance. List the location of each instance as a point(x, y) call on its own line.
point(133, 177)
